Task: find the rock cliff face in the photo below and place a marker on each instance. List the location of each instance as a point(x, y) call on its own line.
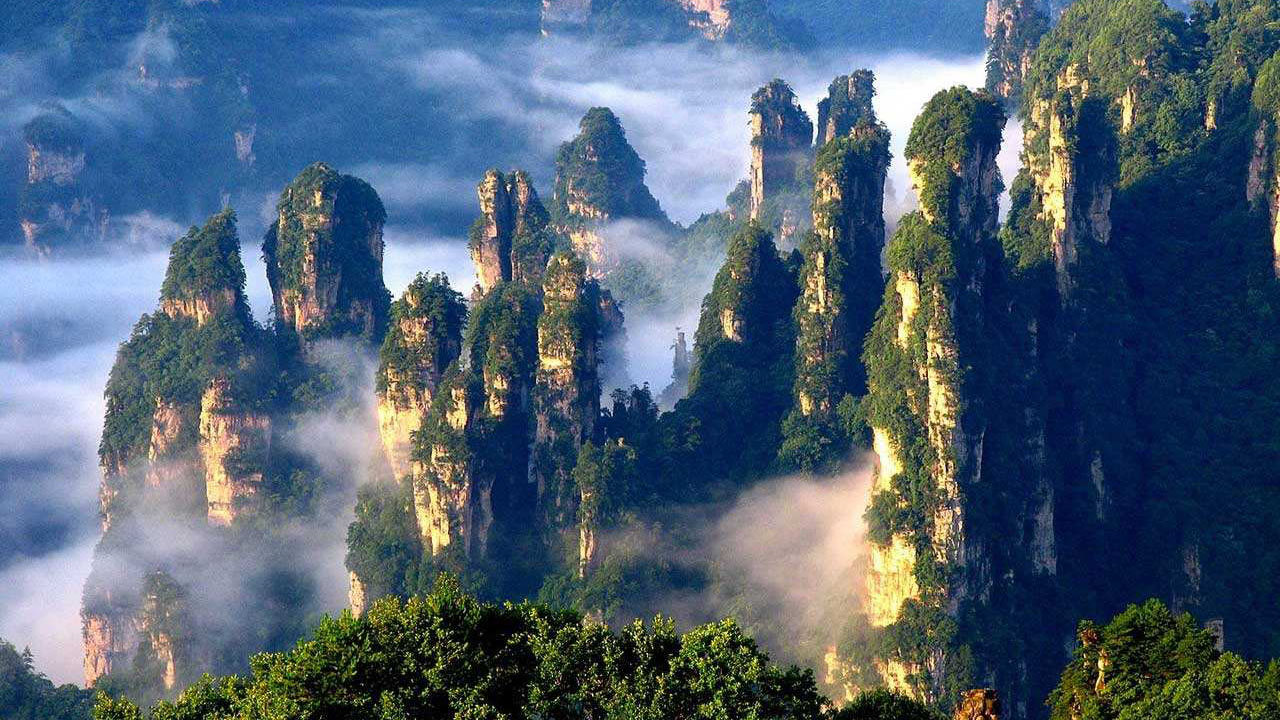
point(324, 257)
point(709, 17)
point(1014, 29)
point(841, 282)
point(234, 444)
point(511, 239)
point(55, 208)
point(1263, 183)
point(939, 275)
point(781, 139)
point(567, 392)
point(600, 179)
point(451, 499)
point(1074, 176)
point(196, 458)
point(423, 340)
point(978, 705)
point(110, 639)
point(846, 106)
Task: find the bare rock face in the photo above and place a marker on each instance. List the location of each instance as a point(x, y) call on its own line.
point(957, 180)
point(781, 139)
point(324, 257)
point(452, 502)
point(55, 209)
point(234, 444)
point(979, 705)
point(841, 280)
point(357, 597)
point(1074, 177)
point(709, 17)
point(1014, 29)
point(511, 239)
point(109, 642)
point(567, 391)
point(205, 277)
point(424, 339)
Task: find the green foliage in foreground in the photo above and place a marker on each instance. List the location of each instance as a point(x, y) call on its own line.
point(1149, 664)
point(27, 695)
point(448, 655)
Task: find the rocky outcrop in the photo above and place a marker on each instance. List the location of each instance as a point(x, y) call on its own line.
point(357, 595)
point(452, 502)
point(978, 705)
point(423, 340)
point(841, 282)
point(937, 262)
point(163, 626)
point(511, 240)
point(681, 365)
point(1074, 177)
point(324, 257)
point(567, 391)
point(1014, 29)
point(781, 138)
point(846, 106)
point(709, 17)
point(55, 208)
point(205, 276)
point(234, 444)
point(599, 180)
point(110, 640)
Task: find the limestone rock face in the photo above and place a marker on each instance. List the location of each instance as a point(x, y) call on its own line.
point(234, 443)
point(1263, 183)
point(567, 392)
point(163, 623)
point(324, 257)
point(1074, 178)
point(205, 276)
point(203, 447)
point(1014, 29)
point(957, 182)
point(978, 705)
point(452, 504)
point(357, 597)
point(781, 139)
point(511, 239)
point(847, 105)
point(709, 17)
point(841, 280)
point(424, 339)
point(109, 642)
point(600, 179)
point(55, 208)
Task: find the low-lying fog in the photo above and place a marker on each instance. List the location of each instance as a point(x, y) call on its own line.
point(684, 109)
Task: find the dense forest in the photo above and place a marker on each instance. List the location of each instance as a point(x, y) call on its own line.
point(1054, 390)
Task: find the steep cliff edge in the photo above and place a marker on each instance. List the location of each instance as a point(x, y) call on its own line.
point(567, 389)
point(840, 281)
point(781, 152)
point(1013, 30)
point(600, 180)
point(324, 257)
point(184, 437)
point(423, 340)
point(512, 239)
point(927, 421)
